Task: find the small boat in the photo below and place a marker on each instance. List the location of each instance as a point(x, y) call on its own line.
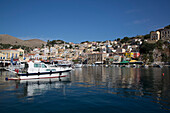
point(64, 63)
point(127, 66)
point(40, 70)
point(146, 66)
point(78, 65)
point(134, 65)
point(106, 65)
point(157, 65)
point(18, 65)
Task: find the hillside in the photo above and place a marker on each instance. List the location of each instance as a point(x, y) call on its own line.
point(8, 39)
point(155, 52)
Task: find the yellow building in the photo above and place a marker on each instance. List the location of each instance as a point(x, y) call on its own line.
point(6, 54)
point(129, 55)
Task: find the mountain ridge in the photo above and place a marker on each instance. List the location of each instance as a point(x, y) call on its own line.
point(8, 39)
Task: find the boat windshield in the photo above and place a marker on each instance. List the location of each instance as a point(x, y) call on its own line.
point(37, 65)
point(44, 66)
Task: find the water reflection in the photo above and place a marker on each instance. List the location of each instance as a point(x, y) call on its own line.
point(134, 83)
point(39, 87)
point(143, 84)
point(30, 88)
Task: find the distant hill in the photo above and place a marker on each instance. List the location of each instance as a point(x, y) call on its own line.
point(8, 39)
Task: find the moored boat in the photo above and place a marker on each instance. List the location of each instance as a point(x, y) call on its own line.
point(78, 65)
point(39, 70)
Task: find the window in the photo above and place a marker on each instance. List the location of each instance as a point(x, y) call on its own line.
point(20, 53)
point(47, 69)
point(44, 66)
point(37, 65)
point(53, 69)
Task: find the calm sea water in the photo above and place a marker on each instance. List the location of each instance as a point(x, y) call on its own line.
point(91, 90)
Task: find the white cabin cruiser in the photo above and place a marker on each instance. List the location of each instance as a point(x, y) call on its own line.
point(40, 70)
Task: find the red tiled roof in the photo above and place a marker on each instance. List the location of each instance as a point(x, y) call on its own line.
point(30, 54)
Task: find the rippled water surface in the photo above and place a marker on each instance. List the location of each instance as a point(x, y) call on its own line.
point(92, 89)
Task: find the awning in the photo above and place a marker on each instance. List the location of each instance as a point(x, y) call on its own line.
point(133, 61)
point(124, 62)
point(98, 62)
point(136, 62)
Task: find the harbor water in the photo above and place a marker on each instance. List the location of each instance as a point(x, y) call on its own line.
point(94, 89)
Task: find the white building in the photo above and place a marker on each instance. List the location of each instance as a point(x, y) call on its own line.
point(155, 35)
point(165, 34)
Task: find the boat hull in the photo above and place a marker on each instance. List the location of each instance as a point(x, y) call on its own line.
point(78, 65)
point(60, 75)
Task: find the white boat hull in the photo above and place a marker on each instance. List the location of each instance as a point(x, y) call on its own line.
point(64, 76)
point(39, 70)
point(78, 65)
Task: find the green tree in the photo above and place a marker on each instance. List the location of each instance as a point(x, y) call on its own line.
point(48, 42)
point(98, 49)
point(146, 48)
point(125, 40)
point(42, 46)
point(151, 57)
point(84, 42)
point(147, 36)
point(167, 27)
point(118, 39)
point(164, 57)
point(71, 47)
point(159, 44)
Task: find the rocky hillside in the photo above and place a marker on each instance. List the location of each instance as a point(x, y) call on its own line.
point(155, 52)
point(8, 39)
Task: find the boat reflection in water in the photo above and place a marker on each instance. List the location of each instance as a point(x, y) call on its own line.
point(33, 87)
point(92, 89)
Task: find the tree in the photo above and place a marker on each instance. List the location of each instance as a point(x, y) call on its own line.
point(71, 47)
point(53, 42)
point(48, 42)
point(151, 57)
point(84, 42)
point(98, 49)
point(164, 57)
point(118, 39)
point(146, 48)
point(42, 46)
point(125, 40)
point(167, 27)
point(147, 36)
point(159, 44)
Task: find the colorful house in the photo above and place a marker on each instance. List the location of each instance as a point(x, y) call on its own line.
point(132, 55)
point(7, 54)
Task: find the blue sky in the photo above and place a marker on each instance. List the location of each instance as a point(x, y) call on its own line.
point(81, 20)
